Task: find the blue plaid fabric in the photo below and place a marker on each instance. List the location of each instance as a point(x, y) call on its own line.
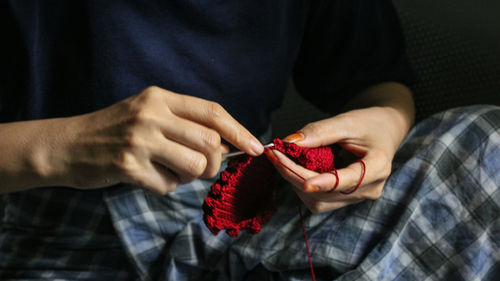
point(59, 233)
point(438, 219)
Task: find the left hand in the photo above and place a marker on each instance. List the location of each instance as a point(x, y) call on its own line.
point(373, 134)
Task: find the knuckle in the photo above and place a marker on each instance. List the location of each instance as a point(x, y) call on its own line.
point(375, 193)
point(313, 128)
point(132, 141)
point(212, 170)
point(237, 137)
point(211, 140)
point(196, 166)
point(381, 155)
point(214, 110)
point(168, 183)
point(155, 191)
point(386, 171)
point(168, 188)
point(385, 163)
point(211, 173)
point(378, 194)
point(125, 162)
point(354, 177)
point(139, 115)
point(148, 186)
point(172, 185)
point(151, 95)
point(316, 207)
point(350, 126)
point(147, 97)
point(348, 120)
point(151, 91)
point(186, 179)
point(145, 118)
point(172, 182)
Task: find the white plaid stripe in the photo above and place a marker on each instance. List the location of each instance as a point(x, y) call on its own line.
point(438, 219)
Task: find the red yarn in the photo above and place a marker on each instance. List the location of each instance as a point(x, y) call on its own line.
point(363, 165)
point(319, 159)
point(308, 249)
point(243, 196)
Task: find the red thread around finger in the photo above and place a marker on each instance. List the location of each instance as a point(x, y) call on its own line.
point(336, 174)
point(360, 180)
point(242, 197)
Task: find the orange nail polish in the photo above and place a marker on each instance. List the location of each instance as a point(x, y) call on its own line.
point(295, 137)
point(311, 188)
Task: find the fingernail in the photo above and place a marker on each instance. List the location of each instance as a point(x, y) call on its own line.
point(224, 149)
point(256, 147)
point(295, 137)
point(311, 188)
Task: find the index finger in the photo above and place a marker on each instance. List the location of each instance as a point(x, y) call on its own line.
point(214, 116)
point(339, 128)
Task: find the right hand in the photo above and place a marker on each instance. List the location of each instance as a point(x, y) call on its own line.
point(155, 139)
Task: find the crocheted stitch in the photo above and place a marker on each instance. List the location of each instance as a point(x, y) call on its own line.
point(242, 198)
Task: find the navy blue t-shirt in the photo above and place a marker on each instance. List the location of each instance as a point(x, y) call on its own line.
point(71, 57)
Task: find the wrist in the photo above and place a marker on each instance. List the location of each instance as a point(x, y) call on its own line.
point(27, 150)
point(401, 123)
point(396, 98)
point(48, 157)
point(387, 94)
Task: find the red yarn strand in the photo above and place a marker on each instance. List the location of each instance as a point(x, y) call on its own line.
point(360, 180)
point(336, 174)
point(288, 168)
point(304, 232)
point(230, 204)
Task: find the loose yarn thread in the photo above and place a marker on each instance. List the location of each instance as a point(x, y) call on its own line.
point(223, 205)
point(304, 231)
point(363, 165)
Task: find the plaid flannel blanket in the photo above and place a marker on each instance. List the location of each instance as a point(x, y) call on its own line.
point(438, 219)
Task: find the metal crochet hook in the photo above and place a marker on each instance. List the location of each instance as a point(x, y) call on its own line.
point(236, 153)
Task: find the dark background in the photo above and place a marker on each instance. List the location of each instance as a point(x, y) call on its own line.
point(454, 47)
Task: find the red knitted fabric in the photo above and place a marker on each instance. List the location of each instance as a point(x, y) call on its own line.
point(243, 196)
point(318, 159)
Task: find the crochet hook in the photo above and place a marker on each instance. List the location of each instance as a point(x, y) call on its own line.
point(236, 153)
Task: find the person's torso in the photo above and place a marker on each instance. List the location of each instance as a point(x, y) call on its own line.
point(69, 58)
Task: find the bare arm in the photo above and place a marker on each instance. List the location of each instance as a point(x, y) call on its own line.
point(156, 139)
point(25, 148)
point(375, 123)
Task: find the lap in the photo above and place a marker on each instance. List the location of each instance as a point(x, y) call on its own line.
point(437, 219)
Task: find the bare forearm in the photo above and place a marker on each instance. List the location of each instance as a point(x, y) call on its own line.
point(394, 97)
point(26, 148)
point(372, 127)
point(155, 139)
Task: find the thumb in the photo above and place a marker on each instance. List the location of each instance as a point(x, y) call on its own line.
point(321, 133)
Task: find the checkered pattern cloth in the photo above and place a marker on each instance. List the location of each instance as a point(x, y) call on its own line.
point(438, 219)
